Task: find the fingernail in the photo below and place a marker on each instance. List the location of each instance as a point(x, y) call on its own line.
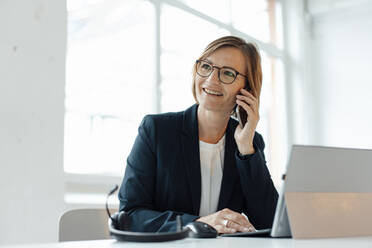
point(233, 230)
point(246, 229)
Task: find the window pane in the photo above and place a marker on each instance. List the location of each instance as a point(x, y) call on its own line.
point(218, 9)
point(272, 124)
point(110, 82)
point(181, 46)
point(261, 19)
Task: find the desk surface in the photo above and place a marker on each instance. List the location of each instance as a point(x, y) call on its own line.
point(215, 243)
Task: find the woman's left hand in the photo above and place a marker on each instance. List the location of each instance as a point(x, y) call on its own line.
point(244, 136)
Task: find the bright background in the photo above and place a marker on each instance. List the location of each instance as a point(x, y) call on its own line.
point(142, 65)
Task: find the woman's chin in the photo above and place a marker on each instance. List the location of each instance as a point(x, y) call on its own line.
point(213, 107)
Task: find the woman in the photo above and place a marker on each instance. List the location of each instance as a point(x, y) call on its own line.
point(200, 163)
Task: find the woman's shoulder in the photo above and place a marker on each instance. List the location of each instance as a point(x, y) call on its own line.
point(258, 141)
point(165, 121)
point(170, 118)
point(164, 117)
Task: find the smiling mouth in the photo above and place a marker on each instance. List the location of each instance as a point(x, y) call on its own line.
point(212, 92)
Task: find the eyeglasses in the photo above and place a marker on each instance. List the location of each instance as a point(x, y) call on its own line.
point(226, 75)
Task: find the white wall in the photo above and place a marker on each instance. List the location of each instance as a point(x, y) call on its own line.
point(32, 62)
point(340, 75)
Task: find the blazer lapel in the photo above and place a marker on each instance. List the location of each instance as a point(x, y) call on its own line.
point(191, 153)
point(230, 172)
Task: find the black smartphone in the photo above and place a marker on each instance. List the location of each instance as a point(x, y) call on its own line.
point(241, 113)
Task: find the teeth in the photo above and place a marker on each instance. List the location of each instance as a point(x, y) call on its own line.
point(212, 92)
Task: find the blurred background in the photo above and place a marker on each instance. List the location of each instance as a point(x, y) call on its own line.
point(78, 76)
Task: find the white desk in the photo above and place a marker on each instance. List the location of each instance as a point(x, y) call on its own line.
point(215, 243)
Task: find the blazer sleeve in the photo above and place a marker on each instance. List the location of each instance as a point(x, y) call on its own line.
point(137, 193)
point(260, 194)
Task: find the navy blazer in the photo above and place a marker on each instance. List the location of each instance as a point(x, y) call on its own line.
point(163, 179)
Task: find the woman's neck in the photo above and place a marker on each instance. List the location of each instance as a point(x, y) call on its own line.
point(212, 125)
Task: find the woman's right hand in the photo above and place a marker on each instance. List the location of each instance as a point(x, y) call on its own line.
point(228, 221)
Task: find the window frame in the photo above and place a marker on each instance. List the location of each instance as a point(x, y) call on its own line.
point(92, 183)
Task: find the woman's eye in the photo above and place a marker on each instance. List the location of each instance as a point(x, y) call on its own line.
point(229, 73)
point(206, 67)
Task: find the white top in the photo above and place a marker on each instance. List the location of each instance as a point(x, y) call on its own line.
point(211, 168)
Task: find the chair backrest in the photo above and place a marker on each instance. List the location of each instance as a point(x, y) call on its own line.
point(84, 224)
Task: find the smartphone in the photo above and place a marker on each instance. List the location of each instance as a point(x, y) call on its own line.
point(242, 115)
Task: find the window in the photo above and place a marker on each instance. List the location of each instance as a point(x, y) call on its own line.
point(177, 57)
point(272, 124)
point(126, 59)
point(259, 19)
point(110, 82)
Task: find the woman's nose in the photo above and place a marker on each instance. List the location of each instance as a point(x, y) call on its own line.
point(213, 77)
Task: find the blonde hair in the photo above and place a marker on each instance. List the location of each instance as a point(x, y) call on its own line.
point(249, 51)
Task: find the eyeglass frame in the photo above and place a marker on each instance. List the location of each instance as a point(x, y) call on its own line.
point(219, 70)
